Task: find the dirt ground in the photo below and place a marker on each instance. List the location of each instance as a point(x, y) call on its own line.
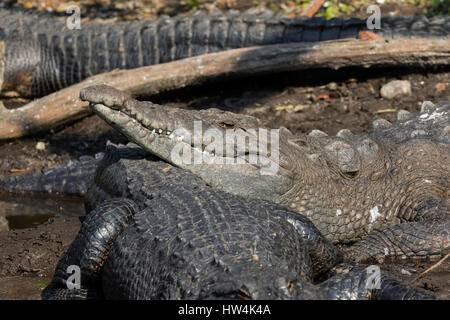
point(29, 256)
point(325, 100)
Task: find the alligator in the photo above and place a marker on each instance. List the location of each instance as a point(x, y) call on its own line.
point(154, 231)
point(387, 189)
point(44, 55)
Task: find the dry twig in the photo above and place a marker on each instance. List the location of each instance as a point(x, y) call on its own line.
point(434, 266)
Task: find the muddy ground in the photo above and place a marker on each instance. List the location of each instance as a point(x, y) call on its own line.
point(29, 256)
point(302, 101)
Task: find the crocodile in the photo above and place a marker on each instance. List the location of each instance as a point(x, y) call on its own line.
point(44, 54)
point(387, 189)
point(154, 231)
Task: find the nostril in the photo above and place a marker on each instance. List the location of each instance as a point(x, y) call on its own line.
point(351, 175)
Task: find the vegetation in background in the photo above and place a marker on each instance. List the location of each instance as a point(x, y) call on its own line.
point(334, 8)
point(439, 7)
point(330, 8)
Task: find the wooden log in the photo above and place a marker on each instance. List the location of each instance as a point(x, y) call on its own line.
point(60, 107)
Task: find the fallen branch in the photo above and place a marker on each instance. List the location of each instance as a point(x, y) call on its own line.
point(434, 266)
point(63, 106)
point(312, 8)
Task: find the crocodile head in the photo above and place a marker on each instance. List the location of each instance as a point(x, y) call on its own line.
point(227, 150)
point(347, 184)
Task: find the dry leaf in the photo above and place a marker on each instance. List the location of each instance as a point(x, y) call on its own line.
point(440, 86)
point(322, 97)
point(385, 110)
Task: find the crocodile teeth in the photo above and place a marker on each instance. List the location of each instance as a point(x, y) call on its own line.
point(153, 131)
point(160, 131)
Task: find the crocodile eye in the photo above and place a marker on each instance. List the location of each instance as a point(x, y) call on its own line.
point(343, 156)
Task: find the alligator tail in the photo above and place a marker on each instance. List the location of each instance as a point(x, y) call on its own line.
point(57, 57)
point(73, 179)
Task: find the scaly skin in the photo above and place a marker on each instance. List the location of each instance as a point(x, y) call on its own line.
point(389, 186)
point(72, 179)
point(162, 233)
point(43, 55)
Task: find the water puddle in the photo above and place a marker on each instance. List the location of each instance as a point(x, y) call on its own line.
point(19, 212)
point(23, 222)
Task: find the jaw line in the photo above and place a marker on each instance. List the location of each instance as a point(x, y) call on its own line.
point(156, 140)
point(243, 179)
point(157, 143)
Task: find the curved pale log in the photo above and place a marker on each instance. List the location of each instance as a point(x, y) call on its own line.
point(63, 106)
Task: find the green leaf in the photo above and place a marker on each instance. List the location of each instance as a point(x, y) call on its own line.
point(331, 12)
